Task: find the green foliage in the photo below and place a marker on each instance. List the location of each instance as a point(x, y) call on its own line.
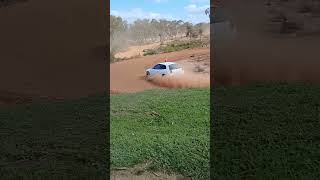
point(180, 46)
point(174, 46)
point(150, 52)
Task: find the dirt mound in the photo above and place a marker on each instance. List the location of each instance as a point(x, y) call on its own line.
point(136, 50)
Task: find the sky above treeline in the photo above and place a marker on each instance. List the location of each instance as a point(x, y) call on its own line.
point(186, 10)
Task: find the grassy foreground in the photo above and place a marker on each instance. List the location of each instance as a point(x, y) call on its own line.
point(168, 127)
point(54, 140)
point(266, 131)
point(261, 131)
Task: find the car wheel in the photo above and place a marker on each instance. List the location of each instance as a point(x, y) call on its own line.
point(147, 77)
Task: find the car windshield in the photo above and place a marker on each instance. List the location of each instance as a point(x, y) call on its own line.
point(174, 66)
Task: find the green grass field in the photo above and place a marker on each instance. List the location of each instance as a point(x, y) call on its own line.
point(266, 131)
point(170, 128)
point(260, 131)
point(49, 141)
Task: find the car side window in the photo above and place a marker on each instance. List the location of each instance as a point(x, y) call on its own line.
point(163, 66)
point(160, 66)
point(157, 66)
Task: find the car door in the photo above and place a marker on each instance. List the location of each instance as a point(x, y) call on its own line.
point(155, 70)
point(163, 69)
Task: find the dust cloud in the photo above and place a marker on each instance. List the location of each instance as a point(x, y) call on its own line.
point(186, 80)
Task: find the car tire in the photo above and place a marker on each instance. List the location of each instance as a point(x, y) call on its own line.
point(147, 77)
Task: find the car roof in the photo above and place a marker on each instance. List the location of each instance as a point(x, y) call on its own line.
point(167, 63)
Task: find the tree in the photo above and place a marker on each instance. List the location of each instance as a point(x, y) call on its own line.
point(200, 32)
point(161, 39)
point(117, 25)
point(189, 29)
point(118, 29)
point(145, 31)
point(179, 27)
point(154, 24)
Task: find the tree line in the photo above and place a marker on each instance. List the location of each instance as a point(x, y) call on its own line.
point(144, 31)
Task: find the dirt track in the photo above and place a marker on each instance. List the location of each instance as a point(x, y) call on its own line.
point(128, 76)
point(136, 50)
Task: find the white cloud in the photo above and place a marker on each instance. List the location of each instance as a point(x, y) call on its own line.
point(194, 9)
point(114, 12)
point(138, 13)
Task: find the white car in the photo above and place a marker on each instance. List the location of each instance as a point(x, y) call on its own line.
point(166, 68)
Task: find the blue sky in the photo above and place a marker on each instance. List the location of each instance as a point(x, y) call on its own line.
point(186, 10)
